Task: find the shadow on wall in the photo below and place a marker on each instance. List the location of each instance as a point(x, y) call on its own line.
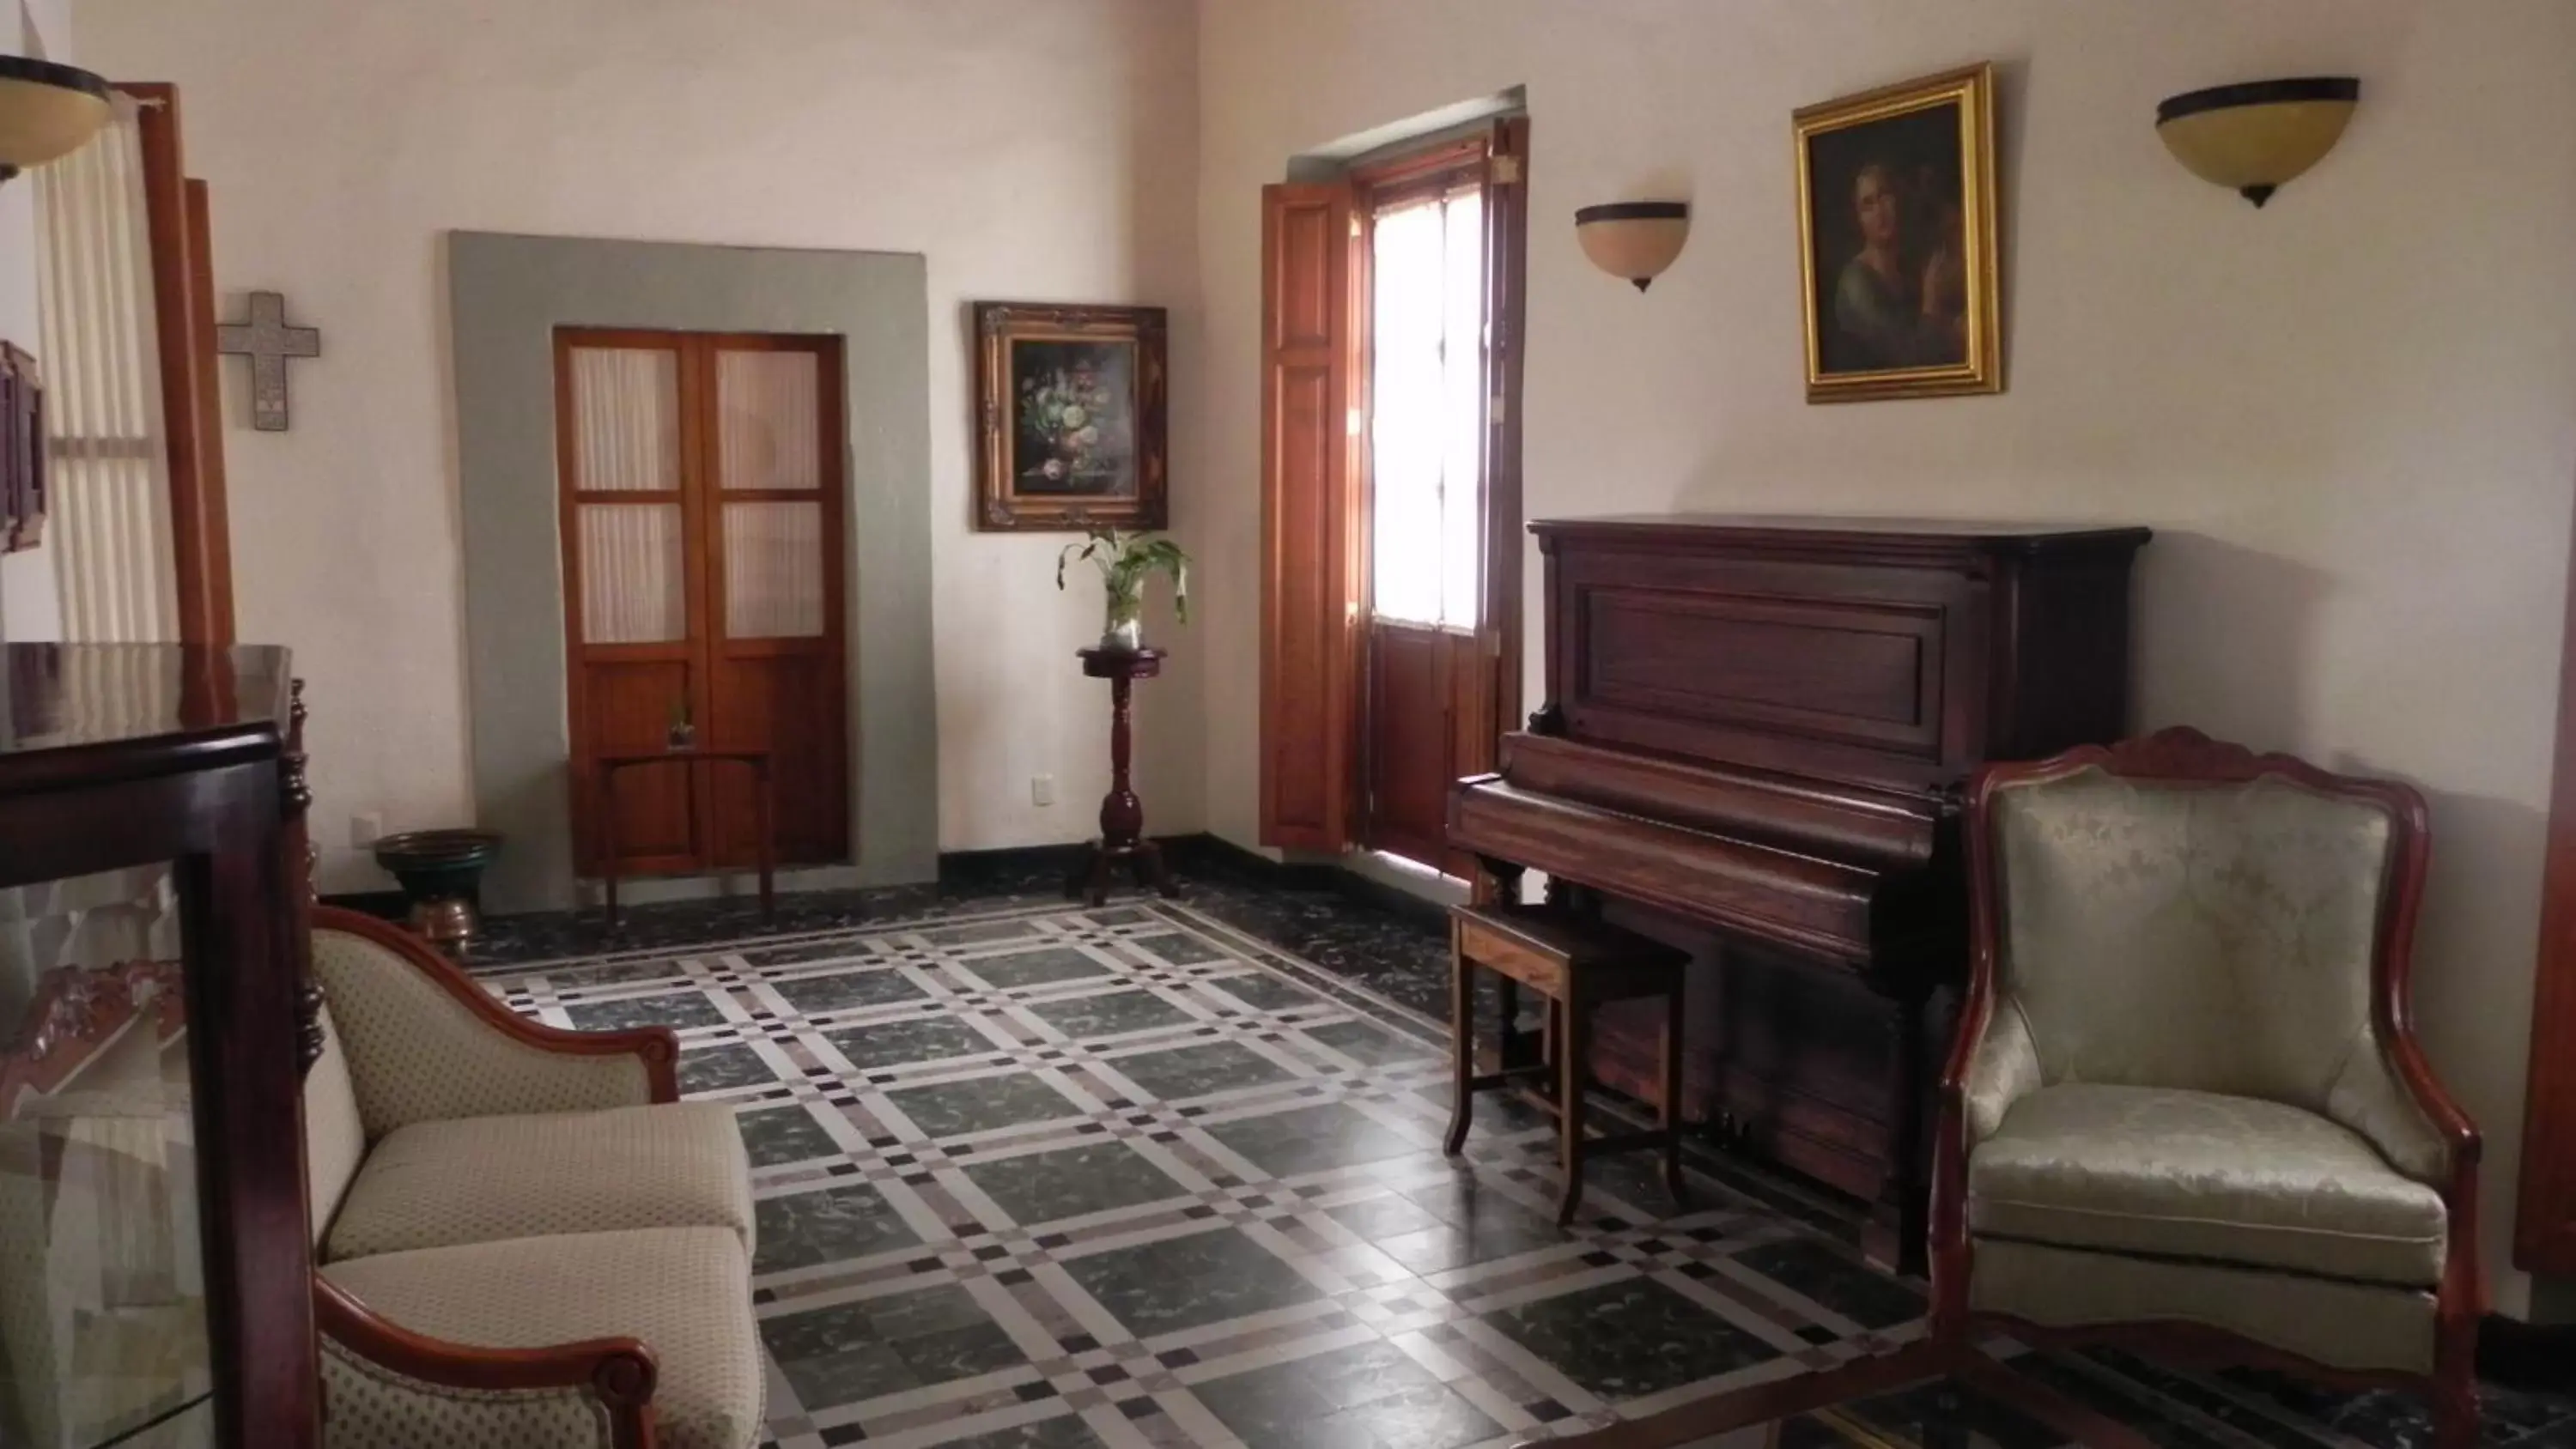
point(2225, 638)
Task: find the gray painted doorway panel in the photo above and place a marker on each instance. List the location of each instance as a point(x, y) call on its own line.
point(506, 296)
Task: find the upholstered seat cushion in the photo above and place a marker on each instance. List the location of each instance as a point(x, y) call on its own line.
point(484, 1179)
point(2197, 1175)
point(685, 1292)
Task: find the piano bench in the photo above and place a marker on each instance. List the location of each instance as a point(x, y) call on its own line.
point(1577, 963)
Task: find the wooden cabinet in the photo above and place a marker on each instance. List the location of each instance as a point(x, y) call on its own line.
point(154, 1247)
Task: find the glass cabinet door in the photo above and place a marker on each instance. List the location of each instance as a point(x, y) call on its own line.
point(103, 1337)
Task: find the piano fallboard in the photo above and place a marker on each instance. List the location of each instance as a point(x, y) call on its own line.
point(1818, 905)
point(1885, 830)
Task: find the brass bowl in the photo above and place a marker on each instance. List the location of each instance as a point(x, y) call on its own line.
point(441, 872)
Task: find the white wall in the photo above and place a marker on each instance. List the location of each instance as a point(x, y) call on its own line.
point(1031, 151)
point(2350, 416)
point(28, 608)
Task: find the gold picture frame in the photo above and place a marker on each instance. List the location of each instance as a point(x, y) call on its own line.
point(1901, 290)
point(1070, 431)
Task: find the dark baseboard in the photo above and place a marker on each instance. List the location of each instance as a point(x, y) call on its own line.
point(1023, 867)
point(391, 905)
point(2534, 1357)
point(1212, 855)
point(1206, 857)
point(964, 870)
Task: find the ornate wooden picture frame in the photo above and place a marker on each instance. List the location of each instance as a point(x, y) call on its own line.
point(1897, 240)
point(1070, 425)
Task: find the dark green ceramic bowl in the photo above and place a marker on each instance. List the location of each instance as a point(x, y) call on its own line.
point(437, 865)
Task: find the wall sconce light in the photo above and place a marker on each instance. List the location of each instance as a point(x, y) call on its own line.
point(2250, 138)
point(1634, 240)
point(46, 111)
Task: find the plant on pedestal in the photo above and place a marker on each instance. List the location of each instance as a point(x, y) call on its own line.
point(1125, 561)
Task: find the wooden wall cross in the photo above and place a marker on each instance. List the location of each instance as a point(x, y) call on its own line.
point(267, 341)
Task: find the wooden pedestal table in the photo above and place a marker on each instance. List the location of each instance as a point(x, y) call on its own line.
point(757, 760)
point(1122, 815)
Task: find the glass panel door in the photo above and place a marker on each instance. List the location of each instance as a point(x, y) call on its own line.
point(102, 1291)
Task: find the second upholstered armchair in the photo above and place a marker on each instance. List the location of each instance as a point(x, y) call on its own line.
point(2186, 1107)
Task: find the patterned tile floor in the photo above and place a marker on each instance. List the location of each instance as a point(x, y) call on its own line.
point(1034, 1175)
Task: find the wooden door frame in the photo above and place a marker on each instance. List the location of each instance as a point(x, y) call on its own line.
point(178, 225)
point(2545, 1209)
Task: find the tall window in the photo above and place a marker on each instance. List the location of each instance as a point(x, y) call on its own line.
point(1427, 363)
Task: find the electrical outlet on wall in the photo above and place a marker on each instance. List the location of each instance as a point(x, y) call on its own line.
point(1041, 789)
point(364, 828)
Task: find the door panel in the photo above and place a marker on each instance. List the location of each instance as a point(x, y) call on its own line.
point(1412, 735)
point(773, 570)
point(776, 701)
point(775, 655)
point(634, 573)
point(630, 702)
point(1310, 523)
point(626, 419)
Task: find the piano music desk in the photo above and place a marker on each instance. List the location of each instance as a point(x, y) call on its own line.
point(1577, 963)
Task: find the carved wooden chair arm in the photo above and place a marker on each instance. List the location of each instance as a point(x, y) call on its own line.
point(618, 1374)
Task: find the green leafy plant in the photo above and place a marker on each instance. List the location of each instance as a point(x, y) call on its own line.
point(1126, 561)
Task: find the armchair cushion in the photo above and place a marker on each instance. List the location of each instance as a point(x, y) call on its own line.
point(2196, 1175)
point(680, 1290)
point(484, 1179)
point(418, 1054)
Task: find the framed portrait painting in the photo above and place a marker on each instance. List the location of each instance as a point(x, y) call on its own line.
point(1896, 231)
point(1070, 417)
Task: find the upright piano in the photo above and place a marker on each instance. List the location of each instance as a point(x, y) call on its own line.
point(1755, 743)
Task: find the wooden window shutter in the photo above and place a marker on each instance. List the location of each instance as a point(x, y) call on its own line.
point(183, 299)
point(1310, 554)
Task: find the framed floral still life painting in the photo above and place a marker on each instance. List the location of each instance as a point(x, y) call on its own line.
point(1896, 231)
point(1070, 426)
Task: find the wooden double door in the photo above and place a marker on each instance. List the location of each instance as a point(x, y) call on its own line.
point(702, 487)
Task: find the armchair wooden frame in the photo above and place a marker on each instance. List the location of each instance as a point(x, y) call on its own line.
point(620, 1371)
point(2188, 756)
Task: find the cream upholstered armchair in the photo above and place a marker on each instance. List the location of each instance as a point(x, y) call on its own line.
point(524, 1239)
point(2185, 1107)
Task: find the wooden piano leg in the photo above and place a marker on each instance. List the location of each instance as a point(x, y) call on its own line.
point(1669, 1109)
point(1897, 1233)
point(1573, 1021)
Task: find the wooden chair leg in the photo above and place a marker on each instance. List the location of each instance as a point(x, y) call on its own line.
point(2454, 1390)
point(1462, 1051)
point(1571, 1049)
point(1669, 1109)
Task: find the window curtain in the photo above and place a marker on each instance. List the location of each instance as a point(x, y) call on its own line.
point(105, 434)
point(108, 521)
